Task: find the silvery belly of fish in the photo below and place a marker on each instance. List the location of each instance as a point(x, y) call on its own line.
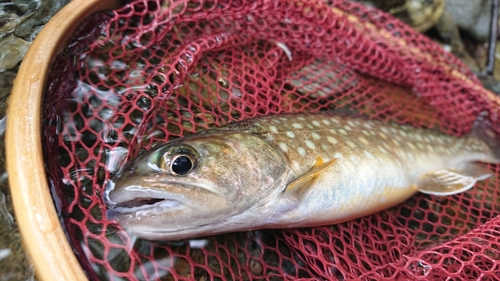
point(288, 171)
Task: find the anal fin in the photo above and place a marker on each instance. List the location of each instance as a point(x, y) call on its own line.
point(303, 182)
point(452, 181)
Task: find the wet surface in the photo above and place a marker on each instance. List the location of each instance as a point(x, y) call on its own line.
point(21, 20)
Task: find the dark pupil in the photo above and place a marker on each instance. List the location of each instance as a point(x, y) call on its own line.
point(182, 165)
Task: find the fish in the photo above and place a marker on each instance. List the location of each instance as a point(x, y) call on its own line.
point(289, 171)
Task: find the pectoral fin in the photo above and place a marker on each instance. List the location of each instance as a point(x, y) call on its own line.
point(302, 183)
point(448, 182)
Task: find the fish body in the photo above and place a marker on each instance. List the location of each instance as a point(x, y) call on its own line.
point(287, 171)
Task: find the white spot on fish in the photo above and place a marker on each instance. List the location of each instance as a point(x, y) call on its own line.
point(365, 132)
point(309, 126)
point(326, 122)
point(396, 142)
point(411, 146)
point(347, 128)
point(325, 147)
point(301, 118)
point(354, 159)
point(290, 134)
point(273, 129)
point(310, 144)
point(315, 136)
point(351, 123)
point(368, 154)
point(335, 120)
point(403, 133)
point(350, 144)
point(316, 123)
point(301, 151)
point(367, 125)
point(297, 126)
point(343, 132)
point(382, 149)
point(382, 135)
point(420, 145)
point(332, 140)
point(283, 146)
point(338, 155)
point(418, 137)
point(363, 140)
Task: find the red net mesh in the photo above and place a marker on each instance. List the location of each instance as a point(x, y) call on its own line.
point(155, 70)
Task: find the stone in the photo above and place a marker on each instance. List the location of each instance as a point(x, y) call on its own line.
point(6, 82)
point(12, 51)
point(471, 16)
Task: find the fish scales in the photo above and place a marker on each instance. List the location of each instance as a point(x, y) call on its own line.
point(290, 171)
point(403, 152)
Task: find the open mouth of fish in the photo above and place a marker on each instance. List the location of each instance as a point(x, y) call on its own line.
point(142, 205)
point(139, 202)
point(145, 201)
point(137, 199)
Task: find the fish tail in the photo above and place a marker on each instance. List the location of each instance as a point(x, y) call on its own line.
point(484, 130)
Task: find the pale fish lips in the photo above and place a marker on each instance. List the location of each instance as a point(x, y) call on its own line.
point(160, 199)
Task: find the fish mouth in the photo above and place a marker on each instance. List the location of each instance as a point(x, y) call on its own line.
point(142, 201)
point(141, 206)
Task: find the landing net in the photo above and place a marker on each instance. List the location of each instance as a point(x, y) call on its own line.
point(156, 70)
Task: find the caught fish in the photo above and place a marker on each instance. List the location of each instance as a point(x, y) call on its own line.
point(287, 171)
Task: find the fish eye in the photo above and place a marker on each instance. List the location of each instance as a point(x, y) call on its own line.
point(181, 165)
point(177, 160)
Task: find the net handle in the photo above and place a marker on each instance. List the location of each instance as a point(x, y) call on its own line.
point(41, 231)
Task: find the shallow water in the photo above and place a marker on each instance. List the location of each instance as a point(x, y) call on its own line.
point(13, 261)
point(21, 20)
point(219, 255)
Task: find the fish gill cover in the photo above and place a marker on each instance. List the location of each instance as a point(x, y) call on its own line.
point(153, 71)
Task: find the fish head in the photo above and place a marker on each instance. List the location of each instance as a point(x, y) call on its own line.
point(194, 186)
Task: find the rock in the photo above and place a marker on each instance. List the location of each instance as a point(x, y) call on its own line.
point(6, 81)
point(12, 51)
point(8, 22)
point(20, 22)
point(30, 28)
point(471, 16)
point(27, 6)
point(419, 14)
point(13, 262)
